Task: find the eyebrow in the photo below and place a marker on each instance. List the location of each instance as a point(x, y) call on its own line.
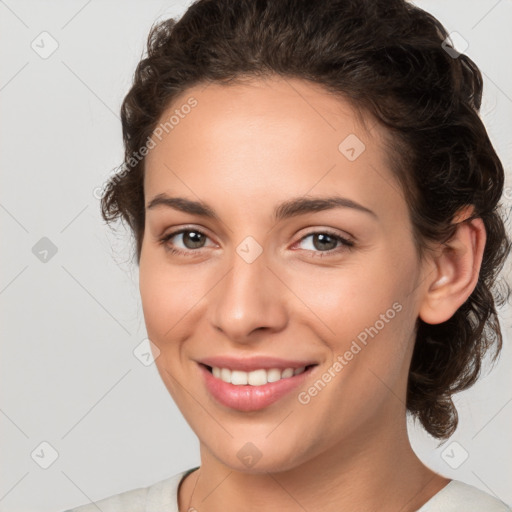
point(285, 210)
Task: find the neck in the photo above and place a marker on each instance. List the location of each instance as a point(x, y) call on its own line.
point(375, 469)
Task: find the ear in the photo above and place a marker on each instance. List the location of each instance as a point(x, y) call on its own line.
point(457, 267)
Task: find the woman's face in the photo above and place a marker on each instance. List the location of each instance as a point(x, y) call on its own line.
point(265, 274)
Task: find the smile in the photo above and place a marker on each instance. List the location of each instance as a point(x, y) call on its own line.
point(254, 390)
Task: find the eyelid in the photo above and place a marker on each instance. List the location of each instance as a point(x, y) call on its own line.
point(186, 227)
point(310, 230)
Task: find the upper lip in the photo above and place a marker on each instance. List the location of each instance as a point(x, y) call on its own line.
point(248, 364)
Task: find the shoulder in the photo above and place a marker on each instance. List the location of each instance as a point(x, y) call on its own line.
point(151, 498)
point(458, 496)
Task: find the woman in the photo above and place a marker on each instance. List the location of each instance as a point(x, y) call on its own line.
point(315, 206)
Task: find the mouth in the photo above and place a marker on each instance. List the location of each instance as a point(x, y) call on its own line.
point(253, 390)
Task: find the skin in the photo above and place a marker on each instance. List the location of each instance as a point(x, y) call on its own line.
point(244, 149)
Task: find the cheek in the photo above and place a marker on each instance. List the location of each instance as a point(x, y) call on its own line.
point(160, 291)
point(346, 299)
point(166, 302)
point(363, 313)
point(171, 296)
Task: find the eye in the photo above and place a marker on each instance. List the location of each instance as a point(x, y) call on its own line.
point(325, 242)
point(191, 239)
point(322, 242)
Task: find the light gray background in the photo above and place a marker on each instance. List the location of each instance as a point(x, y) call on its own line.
point(70, 324)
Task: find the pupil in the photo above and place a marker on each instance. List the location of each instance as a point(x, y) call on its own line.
point(323, 238)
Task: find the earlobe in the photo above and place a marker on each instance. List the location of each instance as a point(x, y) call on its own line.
point(456, 273)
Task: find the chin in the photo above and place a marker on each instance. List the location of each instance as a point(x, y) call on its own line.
point(253, 458)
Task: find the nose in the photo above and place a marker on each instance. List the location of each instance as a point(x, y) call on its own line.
point(248, 298)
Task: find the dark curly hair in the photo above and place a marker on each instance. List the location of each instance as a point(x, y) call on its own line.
point(393, 62)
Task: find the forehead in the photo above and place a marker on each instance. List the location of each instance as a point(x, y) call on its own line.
point(228, 113)
point(264, 136)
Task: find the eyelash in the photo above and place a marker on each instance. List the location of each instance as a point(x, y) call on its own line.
point(345, 243)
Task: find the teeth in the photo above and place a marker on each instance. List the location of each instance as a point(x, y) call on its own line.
point(273, 375)
point(239, 378)
point(256, 377)
point(287, 373)
point(299, 370)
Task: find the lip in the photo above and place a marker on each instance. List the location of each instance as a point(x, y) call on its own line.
point(250, 398)
point(250, 364)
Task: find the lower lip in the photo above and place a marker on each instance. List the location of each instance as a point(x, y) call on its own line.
point(251, 398)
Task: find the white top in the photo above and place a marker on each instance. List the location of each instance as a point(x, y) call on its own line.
point(163, 496)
